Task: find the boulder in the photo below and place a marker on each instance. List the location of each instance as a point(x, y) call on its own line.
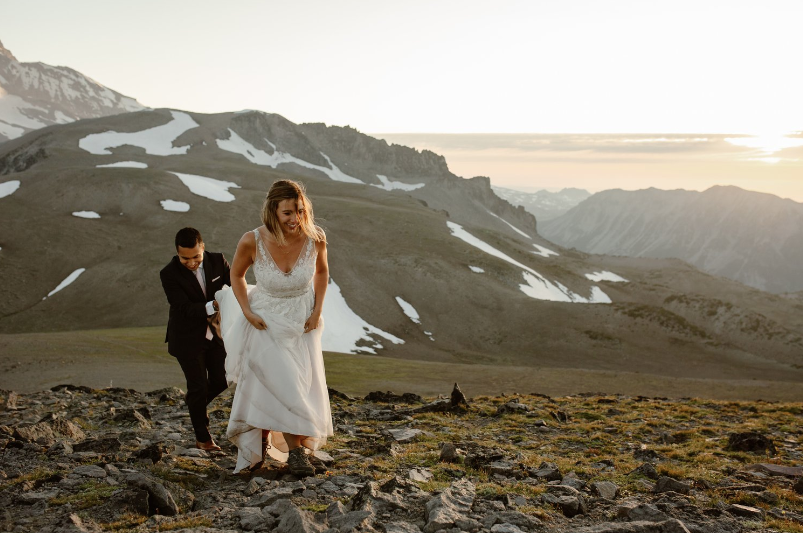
point(401, 527)
point(371, 498)
point(512, 407)
point(547, 471)
point(570, 501)
point(641, 512)
point(745, 511)
point(669, 526)
point(404, 434)
point(294, 520)
point(646, 470)
point(105, 445)
point(40, 433)
point(160, 500)
point(750, 441)
point(667, 484)
point(604, 489)
point(451, 505)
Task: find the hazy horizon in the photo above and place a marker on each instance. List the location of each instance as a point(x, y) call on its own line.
point(595, 162)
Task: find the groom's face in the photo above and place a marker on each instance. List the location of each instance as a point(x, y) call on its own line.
point(191, 257)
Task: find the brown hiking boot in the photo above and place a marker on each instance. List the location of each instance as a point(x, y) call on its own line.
point(299, 463)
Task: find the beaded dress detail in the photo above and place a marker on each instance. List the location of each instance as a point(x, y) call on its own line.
point(279, 371)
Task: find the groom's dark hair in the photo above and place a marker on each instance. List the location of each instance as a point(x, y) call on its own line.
point(188, 238)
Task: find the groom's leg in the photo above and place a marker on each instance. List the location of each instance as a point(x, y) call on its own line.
point(216, 370)
point(194, 369)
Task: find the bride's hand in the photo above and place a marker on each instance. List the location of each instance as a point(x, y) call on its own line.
point(312, 322)
point(256, 321)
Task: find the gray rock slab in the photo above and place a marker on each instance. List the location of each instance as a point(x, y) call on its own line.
point(605, 489)
point(776, 470)
point(516, 518)
point(251, 518)
point(371, 498)
point(93, 471)
point(547, 471)
point(401, 527)
point(351, 520)
point(294, 520)
point(505, 528)
point(668, 526)
point(40, 433)
point(666, 484)
point(161, 500)
point(271, 496)
point(745, 511)
point(642, 512)
point(420, 474)
point(451, 505)
point(404, 434)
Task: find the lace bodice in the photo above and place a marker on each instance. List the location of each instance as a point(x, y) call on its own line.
point(289, 294)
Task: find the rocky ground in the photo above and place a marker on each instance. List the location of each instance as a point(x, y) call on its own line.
point(79, 459)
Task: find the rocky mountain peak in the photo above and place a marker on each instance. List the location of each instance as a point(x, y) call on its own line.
point(39, 95)
point(6, 52)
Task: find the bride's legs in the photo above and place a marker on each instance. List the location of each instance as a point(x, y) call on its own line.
point(297, 461)
point(293, 441)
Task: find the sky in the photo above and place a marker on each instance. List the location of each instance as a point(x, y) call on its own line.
point(536, 66)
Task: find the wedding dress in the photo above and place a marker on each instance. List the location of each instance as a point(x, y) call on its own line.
point(279, 372)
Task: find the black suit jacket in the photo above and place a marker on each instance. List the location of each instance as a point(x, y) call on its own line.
point(186, 327)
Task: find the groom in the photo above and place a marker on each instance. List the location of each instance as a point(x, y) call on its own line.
point(190, 281)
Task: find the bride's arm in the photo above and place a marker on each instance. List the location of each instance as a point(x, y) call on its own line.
point(243, 259)
point(320, 281)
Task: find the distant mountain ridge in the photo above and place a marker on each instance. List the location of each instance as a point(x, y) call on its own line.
point(35, 95)
point(751, 237)
point(545, 205)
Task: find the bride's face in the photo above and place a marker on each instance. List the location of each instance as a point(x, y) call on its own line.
point(288, 213)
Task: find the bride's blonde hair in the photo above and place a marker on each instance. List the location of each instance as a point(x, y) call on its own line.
point(290, 190)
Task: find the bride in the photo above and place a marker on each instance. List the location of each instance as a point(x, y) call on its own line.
point(273, 332)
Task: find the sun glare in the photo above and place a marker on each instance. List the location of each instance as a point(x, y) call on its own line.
point(767, 143)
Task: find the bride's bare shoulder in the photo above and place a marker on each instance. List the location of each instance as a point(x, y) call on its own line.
point(247, 241)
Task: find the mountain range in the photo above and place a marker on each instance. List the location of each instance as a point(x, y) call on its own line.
point(751, 237)
point(425, 265)
point(35, 95)
point(545, 205)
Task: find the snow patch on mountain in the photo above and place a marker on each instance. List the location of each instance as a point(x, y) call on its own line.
point(124, 164)
point(537, 286)
point(543, 252)
point(517, 230)
point(67, 281)
point(9, 187)
point(343, 328)
point(211, 188)
point(390, 185)
point(606, 276)
point(238, 145)
point(173, 205)
point(155, 141)
point(409, 310)
point(85, 214)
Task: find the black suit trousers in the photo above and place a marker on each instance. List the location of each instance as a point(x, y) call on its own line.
point(205, 371)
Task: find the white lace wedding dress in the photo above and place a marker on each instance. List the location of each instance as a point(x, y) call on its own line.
point(279, 371)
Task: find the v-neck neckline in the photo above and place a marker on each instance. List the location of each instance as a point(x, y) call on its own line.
point(270, 255)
